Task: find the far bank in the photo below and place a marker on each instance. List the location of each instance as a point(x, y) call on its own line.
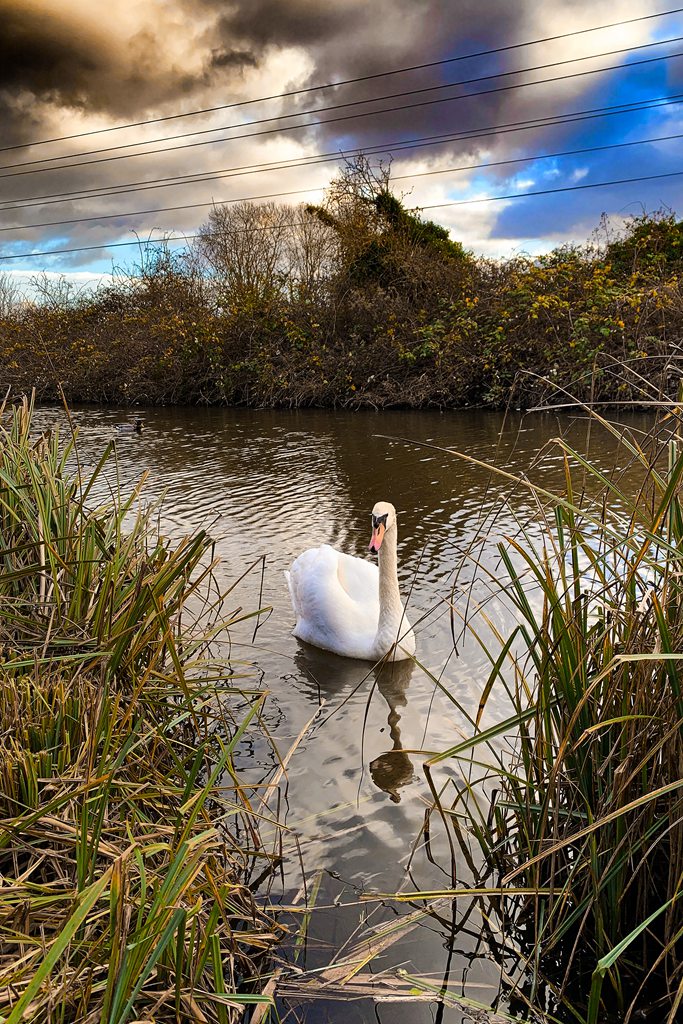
point(358, 304)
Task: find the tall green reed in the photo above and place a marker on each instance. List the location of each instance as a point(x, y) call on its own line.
point(128, 841)
point(585, 818)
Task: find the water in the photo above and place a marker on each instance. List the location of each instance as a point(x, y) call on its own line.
point(267, 485)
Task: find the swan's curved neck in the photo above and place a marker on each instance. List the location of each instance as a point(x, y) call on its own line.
point(390, 606)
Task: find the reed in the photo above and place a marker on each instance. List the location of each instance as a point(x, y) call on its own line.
point(580, 828)
point(129, 845)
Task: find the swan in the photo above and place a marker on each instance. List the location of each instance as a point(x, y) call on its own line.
point(349, 606)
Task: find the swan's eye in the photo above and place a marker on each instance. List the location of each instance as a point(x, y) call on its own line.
point(380, 521)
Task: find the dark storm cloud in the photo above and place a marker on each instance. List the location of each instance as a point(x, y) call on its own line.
point(233, 59)
point(46, 54)
point(353, 39)
point(53, 59)
point(125, 70)
point(294, 22)
point(50, 54)
point(361, 32)
point(129, 61)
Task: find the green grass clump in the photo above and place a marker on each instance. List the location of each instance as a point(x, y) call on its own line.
point(586, 817)
point(127, 840)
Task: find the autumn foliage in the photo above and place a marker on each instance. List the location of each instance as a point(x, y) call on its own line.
point(358, 302)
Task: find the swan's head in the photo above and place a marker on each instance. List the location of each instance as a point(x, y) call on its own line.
point(383, 519)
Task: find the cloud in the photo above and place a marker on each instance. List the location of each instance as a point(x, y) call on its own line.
point(70, 66)
point(48, 54)
point(232, 59)
point(116, 58)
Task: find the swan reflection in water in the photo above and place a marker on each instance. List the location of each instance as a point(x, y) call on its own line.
point(333, 677)
point(393, 769)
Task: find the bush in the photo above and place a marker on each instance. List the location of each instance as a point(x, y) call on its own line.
point(359, 302)
point(125, 869)
point(583, 835)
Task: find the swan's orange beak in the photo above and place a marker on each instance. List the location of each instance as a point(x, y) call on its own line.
point(377, 538)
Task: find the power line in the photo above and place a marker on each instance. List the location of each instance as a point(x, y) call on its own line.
point(383, 148)
point(318, 188)
point(161, 209)
point(108, 245)
point(433, 206)
point(543, 156)
point(345, 81)
point(362, 102)
point(345, 117)
point(552, 191)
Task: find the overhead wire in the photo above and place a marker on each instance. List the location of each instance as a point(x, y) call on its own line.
point(346, 117)
point(387, 148)
point(433, 206)
point(317, 188)
point(544, 121)
point(347, 81)
point(553, 191)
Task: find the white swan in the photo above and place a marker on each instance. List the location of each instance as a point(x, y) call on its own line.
point(345, 604)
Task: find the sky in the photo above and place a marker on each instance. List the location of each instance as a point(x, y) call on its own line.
point(79, 73)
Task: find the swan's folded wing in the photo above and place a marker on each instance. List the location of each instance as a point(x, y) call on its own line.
point(310, 573)
point(360, 579)
point(335, 600)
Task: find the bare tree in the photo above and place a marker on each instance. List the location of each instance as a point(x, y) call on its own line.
point(10, 295)
point(56, 291)
point(359, 182)
point(245, 245)
point(312, 251)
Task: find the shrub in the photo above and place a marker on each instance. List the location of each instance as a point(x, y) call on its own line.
point(125, 868)
point(586, 816)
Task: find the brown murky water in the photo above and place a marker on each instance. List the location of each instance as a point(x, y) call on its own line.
point(268, 484)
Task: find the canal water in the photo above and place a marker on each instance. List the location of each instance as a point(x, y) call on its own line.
point(268, 484)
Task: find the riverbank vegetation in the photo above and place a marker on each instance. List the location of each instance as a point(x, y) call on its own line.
point(130, 846)
point(357, 302)
point(584, 813)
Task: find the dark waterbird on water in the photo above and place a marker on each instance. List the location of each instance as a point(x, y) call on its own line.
point(131, 428)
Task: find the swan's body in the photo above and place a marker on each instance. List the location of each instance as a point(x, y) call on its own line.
point(349, 606)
